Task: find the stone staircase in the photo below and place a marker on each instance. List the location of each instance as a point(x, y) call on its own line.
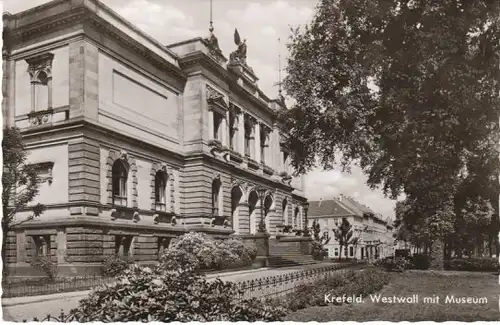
point(287, 254)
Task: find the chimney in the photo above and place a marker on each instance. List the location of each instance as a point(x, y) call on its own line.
point(341, 196)
point(320, 200)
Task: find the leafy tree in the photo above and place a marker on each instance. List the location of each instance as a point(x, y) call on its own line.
point(406, 89)
point(344, 235)
point(322, 239)
point(20, 184)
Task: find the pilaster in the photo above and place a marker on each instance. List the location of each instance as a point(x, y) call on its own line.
point(256, 147)
point(241, 134)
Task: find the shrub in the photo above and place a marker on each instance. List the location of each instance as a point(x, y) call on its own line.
point(114, 265)
point(175, 259)
point(215, 254)
point(46, 265)
point(402, 253)
point(317, 251)
point(167, 293)
point(393, 264)
point(350, 283)
point(420, 261)
point(483, 264)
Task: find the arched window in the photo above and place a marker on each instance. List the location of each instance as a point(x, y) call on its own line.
point(253, 199)
point(296, 218)
point(215, 196)
point(119, 174)
point(161, 190)
point(284, 208)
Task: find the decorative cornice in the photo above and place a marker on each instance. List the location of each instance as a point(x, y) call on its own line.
point(50, 24)
point(81, 15)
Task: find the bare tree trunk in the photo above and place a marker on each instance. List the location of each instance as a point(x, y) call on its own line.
point(437, 254)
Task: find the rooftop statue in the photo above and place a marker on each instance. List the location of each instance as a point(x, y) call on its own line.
point(212, 40)
point(240, 55)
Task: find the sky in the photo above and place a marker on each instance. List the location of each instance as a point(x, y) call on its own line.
point(261, 23)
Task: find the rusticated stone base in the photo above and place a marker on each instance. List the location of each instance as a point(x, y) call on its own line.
point(260, 241)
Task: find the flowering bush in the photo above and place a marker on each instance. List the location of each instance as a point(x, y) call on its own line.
point(167, 293)
point(114, 265)
point(212, 253)
point(174, 259)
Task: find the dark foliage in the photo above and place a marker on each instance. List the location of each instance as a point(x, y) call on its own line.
point(409, 91)
point(420, 261)
point(394, 264)
point(472, 264)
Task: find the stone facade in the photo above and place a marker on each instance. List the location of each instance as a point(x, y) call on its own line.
point(374, 232)
point(140, 142)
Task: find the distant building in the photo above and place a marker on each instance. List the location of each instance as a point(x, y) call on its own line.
point(138, 142)
point(375, 233)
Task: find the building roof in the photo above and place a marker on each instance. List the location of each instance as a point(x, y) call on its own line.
point(356, 206)
point(328, 208)
point(339, 207)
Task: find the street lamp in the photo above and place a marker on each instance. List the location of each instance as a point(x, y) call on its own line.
point(306, 230)
point(262, 194)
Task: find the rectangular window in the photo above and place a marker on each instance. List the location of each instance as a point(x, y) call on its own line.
point(42, 245)
point(263, 145)
point(351, 251)
point(217, 124)
point(336, 251)
point(248, 139)
point(163, 244)
point(123, 244)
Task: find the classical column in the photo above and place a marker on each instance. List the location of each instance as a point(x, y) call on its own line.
point(257, 142)
point(49, 99)
point(210, 124)
point(224, 132)
point(241, 134)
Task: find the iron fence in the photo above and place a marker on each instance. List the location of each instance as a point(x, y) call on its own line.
point(283, 284)
point(21, 288)
point(263, 287)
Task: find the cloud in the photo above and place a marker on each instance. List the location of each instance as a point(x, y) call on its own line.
point(164, 22)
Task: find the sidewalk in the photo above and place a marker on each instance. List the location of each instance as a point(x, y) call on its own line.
point(19, 308)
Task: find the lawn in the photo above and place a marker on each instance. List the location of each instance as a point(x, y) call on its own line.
point(423, 284)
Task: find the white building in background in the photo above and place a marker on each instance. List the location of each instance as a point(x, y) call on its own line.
point(375, 232)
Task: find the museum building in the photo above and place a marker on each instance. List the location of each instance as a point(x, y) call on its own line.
point(136, 142)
